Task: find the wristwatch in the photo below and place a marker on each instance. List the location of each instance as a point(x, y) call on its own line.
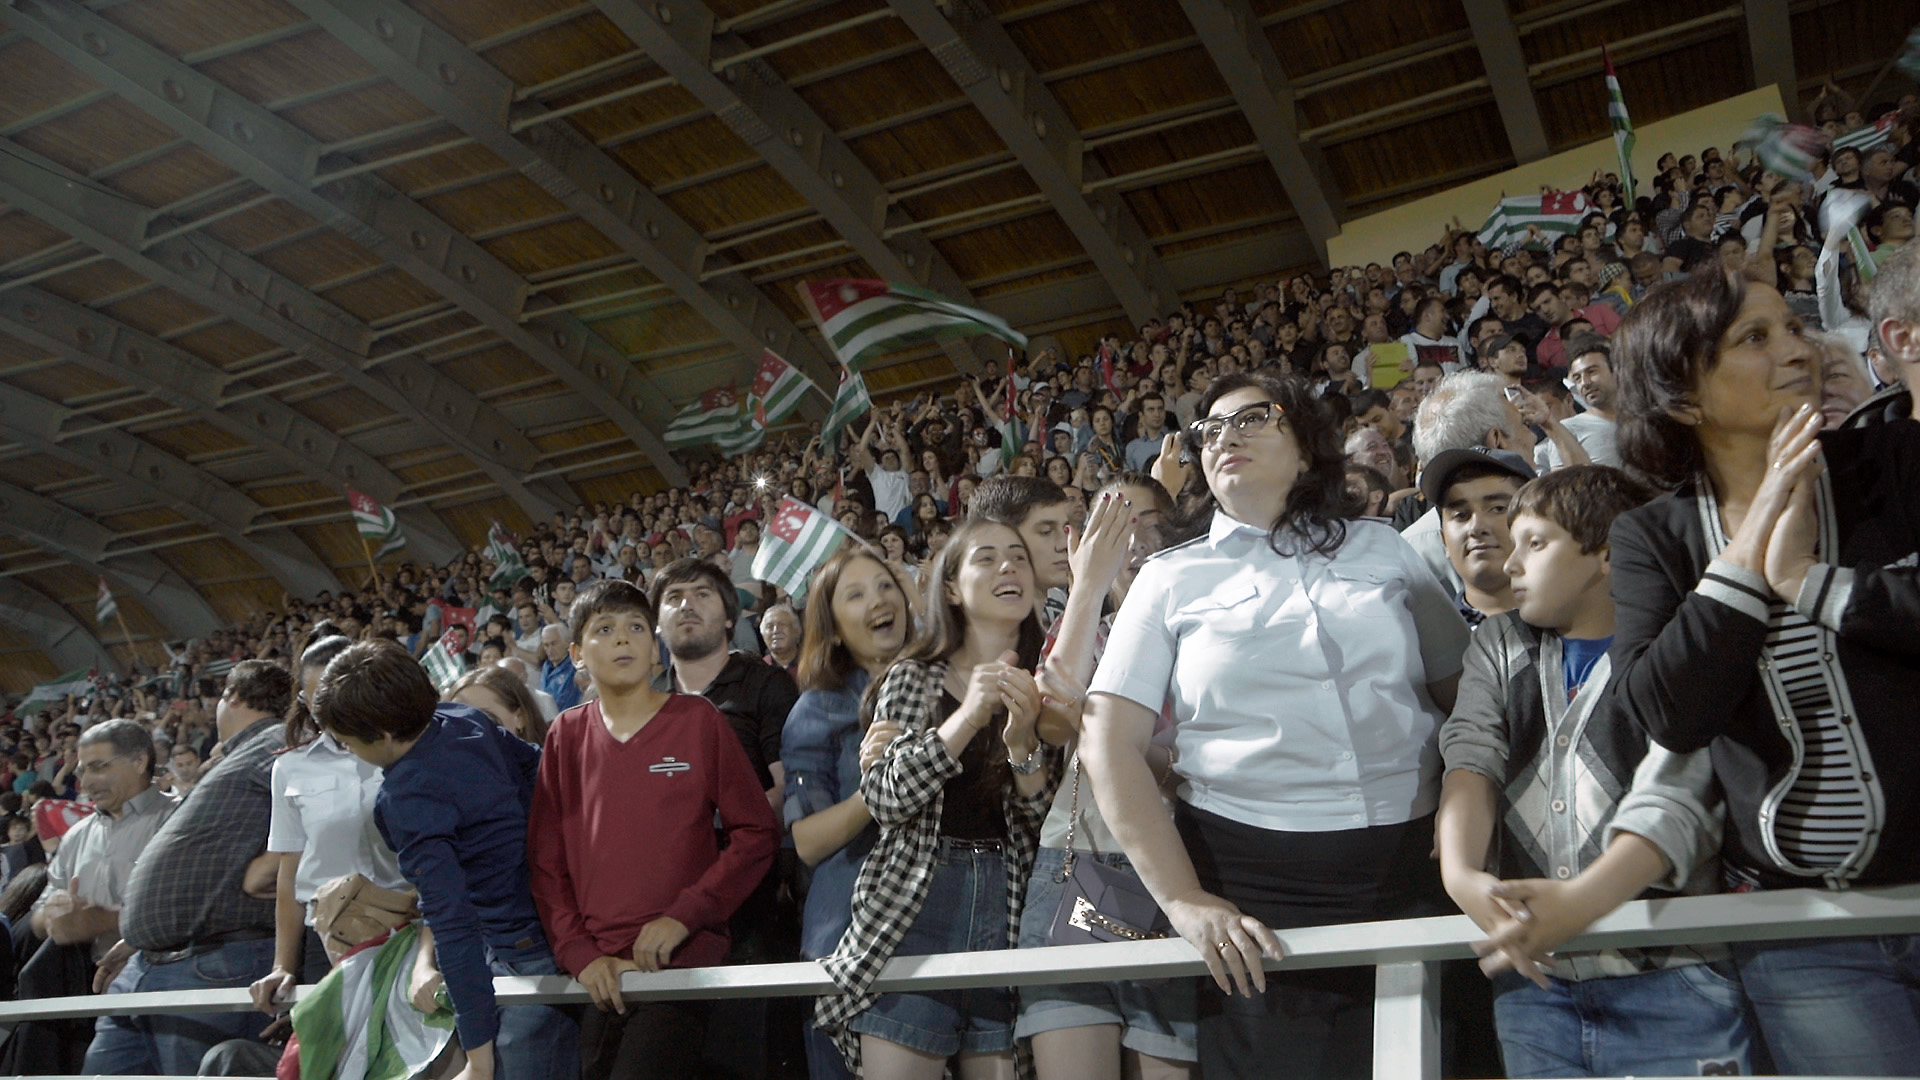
point(1034, 760)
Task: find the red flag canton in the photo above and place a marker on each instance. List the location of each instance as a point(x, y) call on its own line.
point(792, 518)
point(1563, 202)
point(835, 295)
point(720, 397)
point(771, 368)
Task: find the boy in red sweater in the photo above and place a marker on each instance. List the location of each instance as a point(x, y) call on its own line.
point(628, 872)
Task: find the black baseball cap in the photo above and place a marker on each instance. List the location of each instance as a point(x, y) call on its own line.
point(1438, 475)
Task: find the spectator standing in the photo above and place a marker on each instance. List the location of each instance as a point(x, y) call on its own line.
point(556, 667)
point(78, 913)
point(453, 804)
point(621, 899)
point(199, 908)
point(1765, 608)
point(1371, 639)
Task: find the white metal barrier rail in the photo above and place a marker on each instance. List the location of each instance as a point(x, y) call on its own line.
point(1406, 1029)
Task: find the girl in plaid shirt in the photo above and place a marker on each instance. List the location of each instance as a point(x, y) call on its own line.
point(959, 796)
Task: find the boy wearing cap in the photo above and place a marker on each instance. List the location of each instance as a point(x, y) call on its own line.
point(1553, 813)
point(1472, 489)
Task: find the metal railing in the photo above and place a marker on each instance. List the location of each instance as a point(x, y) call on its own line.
point(1406, 1042)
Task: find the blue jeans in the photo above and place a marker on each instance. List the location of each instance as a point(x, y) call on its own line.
point(1838, 1005)
point(536, 1042)
point(965, 911)
point(161, 1045)
point(1684, 1021)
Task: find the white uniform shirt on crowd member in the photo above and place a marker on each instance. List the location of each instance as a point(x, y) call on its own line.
point(1424, 537)
point(323, 809)
point(1597, 435)
point(1298, 683)
point(97, 855)
point(890, 490)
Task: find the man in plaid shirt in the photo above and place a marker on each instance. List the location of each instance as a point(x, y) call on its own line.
point(199, 906)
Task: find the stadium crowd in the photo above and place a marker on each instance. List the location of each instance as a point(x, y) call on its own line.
point(1518, 582)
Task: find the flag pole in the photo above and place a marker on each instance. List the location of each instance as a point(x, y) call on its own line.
point(125, 633)
point(368, 548)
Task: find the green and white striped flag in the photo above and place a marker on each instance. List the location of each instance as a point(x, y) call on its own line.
point(862, 319)
point(77, 682)
point(104, 606)
point(850, 402)
point(718, 414)
point(777, 389)
point(359, 1022)
point(508, 567)
point(1787, 149)
point(1840, 214)
point(743, 442)
point(1622, 124)
point(442, 667)
point(1557, 214)
point(1868, 136)
point(798, 539)
point(376, 523)
point(218, 668)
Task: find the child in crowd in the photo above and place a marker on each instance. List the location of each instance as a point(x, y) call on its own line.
point(1542, 786)
point(453, 805)
point(619, 895)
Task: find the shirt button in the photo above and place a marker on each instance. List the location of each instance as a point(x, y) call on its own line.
point(1559, 806)
point(1326, 686)
point(1866, 777)
point(1354, 797)
point(1563, 741)
point(1562, 873)
point(1346, 755)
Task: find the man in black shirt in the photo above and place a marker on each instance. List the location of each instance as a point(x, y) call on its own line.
point(1695, 247)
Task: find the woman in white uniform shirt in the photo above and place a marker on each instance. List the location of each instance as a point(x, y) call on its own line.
point(1308, 660)
point(322, 828)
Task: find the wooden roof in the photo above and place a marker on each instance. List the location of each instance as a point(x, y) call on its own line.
point(215, 309)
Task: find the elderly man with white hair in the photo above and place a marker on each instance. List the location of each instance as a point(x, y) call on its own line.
point(556, 666)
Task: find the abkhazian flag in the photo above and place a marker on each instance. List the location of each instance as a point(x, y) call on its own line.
point(1868, 136)
point(1622, 124)
point(1106, 369)
point(777, 389)
point(104, 607)
point(217, 669)
point(720, 412)
point(442, 666)
point(75, 683)
point(504, 553)
point(798, 539)
point(359, 1023)
point(1787, 149)
point(1840, 213)
point(863, 319)
point(376, 523)
point(850, 402)
point(743, 442)
point(1010, 423)
point(1557, 213)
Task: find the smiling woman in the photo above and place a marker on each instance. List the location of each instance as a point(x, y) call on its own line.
point(958, 794)
point(1307, 661)
point(1767, 611)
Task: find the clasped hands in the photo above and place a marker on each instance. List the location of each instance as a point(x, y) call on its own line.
point(651, 951)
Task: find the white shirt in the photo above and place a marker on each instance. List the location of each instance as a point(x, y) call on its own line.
point(1596, 434)
point(890, 494)
point(1298, 684)
point(96, 856)
point(323, 809)
point(1424, 536)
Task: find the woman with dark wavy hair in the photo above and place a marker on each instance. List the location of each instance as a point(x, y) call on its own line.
point(1768, 611)
point(1308, 660)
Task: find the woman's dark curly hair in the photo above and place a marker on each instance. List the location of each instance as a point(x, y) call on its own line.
point(1315, 516)
point(1666, 344)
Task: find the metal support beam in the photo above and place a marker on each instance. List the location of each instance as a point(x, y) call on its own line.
point(1240, 49)
point(479, 99)
point(758, 106)
point(215, 276)
point(186, 489)
point(195, 386)
point(280, 157)
point(1506, 66)
point(1000, 82)
point(49, 624)
point(1770, 45)
point(179, 605)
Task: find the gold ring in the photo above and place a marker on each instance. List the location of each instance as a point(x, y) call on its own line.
point(1223, 946)
point(1776, 465)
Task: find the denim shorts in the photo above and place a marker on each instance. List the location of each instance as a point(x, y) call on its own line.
point(1680, 1021)
point(1156, 1016)
point(965, 911)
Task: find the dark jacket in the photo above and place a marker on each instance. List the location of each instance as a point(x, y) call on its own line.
point(1688, 647)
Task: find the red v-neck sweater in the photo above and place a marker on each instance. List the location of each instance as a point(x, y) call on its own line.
point(623, 833)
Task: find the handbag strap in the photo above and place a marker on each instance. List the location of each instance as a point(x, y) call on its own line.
point(1073, 817)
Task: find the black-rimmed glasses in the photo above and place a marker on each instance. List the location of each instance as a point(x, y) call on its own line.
point(1251, 420)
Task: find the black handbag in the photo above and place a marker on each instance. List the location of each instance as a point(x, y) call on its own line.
point(1101, 903)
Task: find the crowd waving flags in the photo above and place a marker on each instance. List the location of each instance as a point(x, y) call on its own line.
point(1621, 123)
point(850, 402)
point(105, 607)
point(1554, 213)
point(798, 539)
point(376, 524)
